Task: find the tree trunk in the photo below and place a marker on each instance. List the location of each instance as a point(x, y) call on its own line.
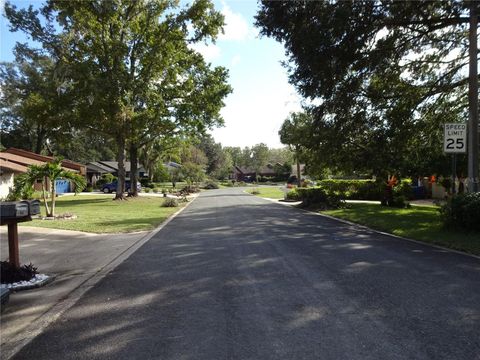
point(52, 194)
point(299, 175)
point(121, 168)
point(44, 195)
point(133, 170)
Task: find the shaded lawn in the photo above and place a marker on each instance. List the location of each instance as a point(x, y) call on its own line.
point(100, 214)
point(419, 222)
point(270, 192)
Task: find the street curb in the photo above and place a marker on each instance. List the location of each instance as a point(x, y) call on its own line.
point(377, 231)
point(43, 321)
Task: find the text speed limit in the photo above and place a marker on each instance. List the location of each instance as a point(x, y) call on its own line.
point(455, 138)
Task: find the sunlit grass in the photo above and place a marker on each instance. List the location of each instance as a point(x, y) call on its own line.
point(418, 222)
point(269, 192)
point(100, 214)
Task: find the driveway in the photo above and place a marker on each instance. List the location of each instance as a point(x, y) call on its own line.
point(71, 256)
point(238, 277)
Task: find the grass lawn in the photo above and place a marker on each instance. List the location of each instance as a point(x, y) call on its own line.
point(419, 222)
point(100, 214)
point(269, 192)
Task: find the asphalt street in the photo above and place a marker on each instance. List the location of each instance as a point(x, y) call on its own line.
point(238, 277)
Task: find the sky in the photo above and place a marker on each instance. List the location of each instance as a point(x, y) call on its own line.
point(262, 98)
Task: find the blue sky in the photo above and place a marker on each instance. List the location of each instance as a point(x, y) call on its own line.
point(261, 98)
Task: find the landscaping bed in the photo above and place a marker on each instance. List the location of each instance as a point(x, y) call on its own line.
point(100, 214)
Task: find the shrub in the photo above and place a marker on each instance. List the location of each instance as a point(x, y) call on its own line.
point(145, 182)
point(105, 179)
point(155, 190)
point(88, 188)
point(354, 189)
point(292, 195)
point(319, 197)
point(462, 212)
point(189, 189)
point(147, 190)
point(170, 202)
point(10, 274)
point(209, 185)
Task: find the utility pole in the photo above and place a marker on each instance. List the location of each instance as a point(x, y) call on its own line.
point(473, 149)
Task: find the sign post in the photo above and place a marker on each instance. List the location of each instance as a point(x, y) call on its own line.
point(455, 142)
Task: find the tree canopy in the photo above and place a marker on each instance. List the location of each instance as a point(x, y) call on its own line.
point(380, 77)
point(128, 66)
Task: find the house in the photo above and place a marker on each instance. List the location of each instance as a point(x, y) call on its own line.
point(15, 161)
point(7, 171)
point(96, 169)
point(66, 164)
point(241, 173)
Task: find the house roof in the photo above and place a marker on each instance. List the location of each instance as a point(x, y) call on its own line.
point(25, 161)
point(8, 166)
point(264, 170)
point(113, 165)
point(98, 167)
point(70, 165)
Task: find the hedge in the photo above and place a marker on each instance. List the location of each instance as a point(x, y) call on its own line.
point(355, 189)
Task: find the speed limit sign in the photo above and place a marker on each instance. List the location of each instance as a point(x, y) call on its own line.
point(455, 138)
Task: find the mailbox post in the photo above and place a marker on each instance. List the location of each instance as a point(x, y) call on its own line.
point(11, 213)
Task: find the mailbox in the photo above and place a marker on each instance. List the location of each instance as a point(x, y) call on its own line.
point(33, 207)
point(11, 210)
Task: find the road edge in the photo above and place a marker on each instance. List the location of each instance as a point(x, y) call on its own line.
point(22, 339)
point(364, 227)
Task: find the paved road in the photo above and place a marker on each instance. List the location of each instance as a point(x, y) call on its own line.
point(238, 277)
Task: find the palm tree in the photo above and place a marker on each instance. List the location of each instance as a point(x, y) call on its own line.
point(49, 173)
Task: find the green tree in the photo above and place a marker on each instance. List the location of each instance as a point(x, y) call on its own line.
point(380, 75)
point(120, 58)
point(48, 174)
point(32, 108)
point(294, 132)
point(259, 158)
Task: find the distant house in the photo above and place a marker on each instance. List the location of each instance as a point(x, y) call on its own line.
point(96, 169)
point(16, 161)
point(241, 173)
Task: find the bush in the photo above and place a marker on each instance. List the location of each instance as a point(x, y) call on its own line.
point(319, 197)
point(147, 190)
point(209, 185)
point(156, 190)
point(462, 212)
point(145, 182)
point(10, 274)
point(105, 179)
point(88, 188)
point(292, 195)
point(354, 189)
point(170, 202)
point(189, 189)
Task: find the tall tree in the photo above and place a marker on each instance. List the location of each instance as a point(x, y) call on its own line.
point(116, 53)
point(381, 75)
point(259, 158)
point(293, 132)
point(32, 105)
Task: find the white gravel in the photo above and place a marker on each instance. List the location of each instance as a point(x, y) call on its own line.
point(34, 282)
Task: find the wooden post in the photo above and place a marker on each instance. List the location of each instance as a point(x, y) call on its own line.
point(13, 253)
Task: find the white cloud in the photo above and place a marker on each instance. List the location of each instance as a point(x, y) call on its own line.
point(236, 27)
point(209, 52)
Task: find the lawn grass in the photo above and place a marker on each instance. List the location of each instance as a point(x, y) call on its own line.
point(100, 214)
point(269, 192)
point(418, 222)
